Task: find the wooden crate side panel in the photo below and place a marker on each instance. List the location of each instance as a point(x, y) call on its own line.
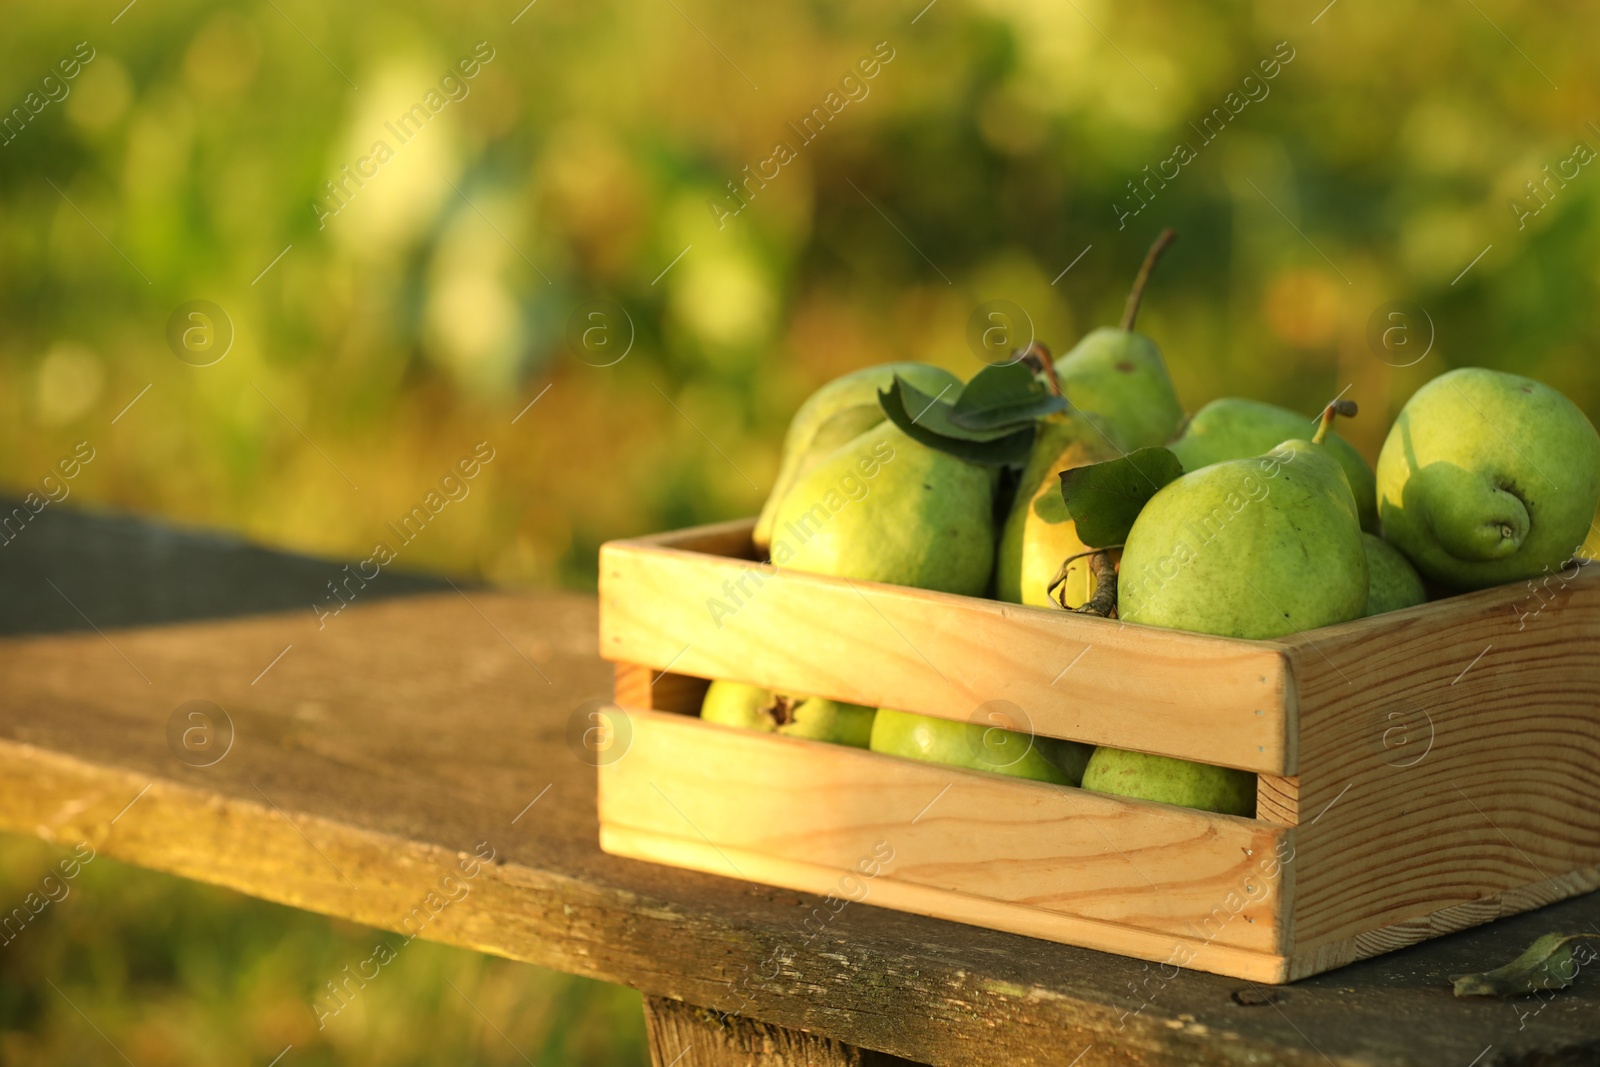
point(1196, 697)
point(1326, 957)
point(1449, 760)
point(1062, 852)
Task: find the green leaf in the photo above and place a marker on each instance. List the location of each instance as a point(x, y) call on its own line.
point(1052, 508)
point(931, 426)
point(1547, 964)
point(1105, 498)
point(932, 414)
point(1009, 395)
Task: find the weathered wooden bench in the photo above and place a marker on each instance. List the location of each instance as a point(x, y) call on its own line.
point(369, 755)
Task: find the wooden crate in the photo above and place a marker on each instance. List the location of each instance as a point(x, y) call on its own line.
point(1419, 772)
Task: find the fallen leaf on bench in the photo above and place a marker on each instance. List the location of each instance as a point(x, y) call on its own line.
point(1547, 964)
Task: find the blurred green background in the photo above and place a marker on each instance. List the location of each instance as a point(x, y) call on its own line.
point(590, 160)
point(174, 973)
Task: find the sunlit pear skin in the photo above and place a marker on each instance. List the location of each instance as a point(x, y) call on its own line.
point(920, 517)
point(1236, 428)
point(1117, 379)
point(1488, 477)
point(738, 704)
point(1171, 781)
point(830, 720)
point(751, 707)
point(1254, 548)
point(1591, 545)
point(956, 743)
point(838, 412)
point(1392, 582)
point(1031, 550)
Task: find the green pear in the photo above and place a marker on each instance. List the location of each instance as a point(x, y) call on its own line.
point(1392, 582)
point(979, 748)
point(1032, 549)
point(1235, 428)
point(821, 719)
point(838, 412)
point(1488, 478)
point(1254, 548)
point(1171, 781)
point(1117, 379)
point(751, 707)
point(738, 704)
point(884, 508)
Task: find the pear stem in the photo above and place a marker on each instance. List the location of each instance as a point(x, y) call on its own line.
point(1038, 358)
point(1104, 570)
point(1104, 601)
point(1347, 408)
point(1136, 294)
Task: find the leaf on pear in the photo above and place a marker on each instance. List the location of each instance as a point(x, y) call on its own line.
point(1105, 498)
point(932, 413)
point(931, 426)
point(1009, 395)
point(1052, 508)
point(1548, 963)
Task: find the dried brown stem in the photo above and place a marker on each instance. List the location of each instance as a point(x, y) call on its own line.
point(1136, 294)
point(1104, 601)
point(1038, 359)
point(1104, 571)
point(1347, 408)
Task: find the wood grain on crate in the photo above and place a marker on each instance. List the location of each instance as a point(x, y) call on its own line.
point(1332, 954)
point(1450, 763)
point(1056, 863)
point(1204, 698)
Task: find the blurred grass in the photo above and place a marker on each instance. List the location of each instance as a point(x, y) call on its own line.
point(986, 156)
point(177, 974)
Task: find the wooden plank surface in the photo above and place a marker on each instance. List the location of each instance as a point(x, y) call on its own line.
point(667, 602)
point(379, 751)
point(1451, 762)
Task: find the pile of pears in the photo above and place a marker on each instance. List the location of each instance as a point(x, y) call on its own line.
point(1079, 484)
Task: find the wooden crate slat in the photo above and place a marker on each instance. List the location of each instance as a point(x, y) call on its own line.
point(1221, 701)
point(1173, 952)
point(685, 786)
